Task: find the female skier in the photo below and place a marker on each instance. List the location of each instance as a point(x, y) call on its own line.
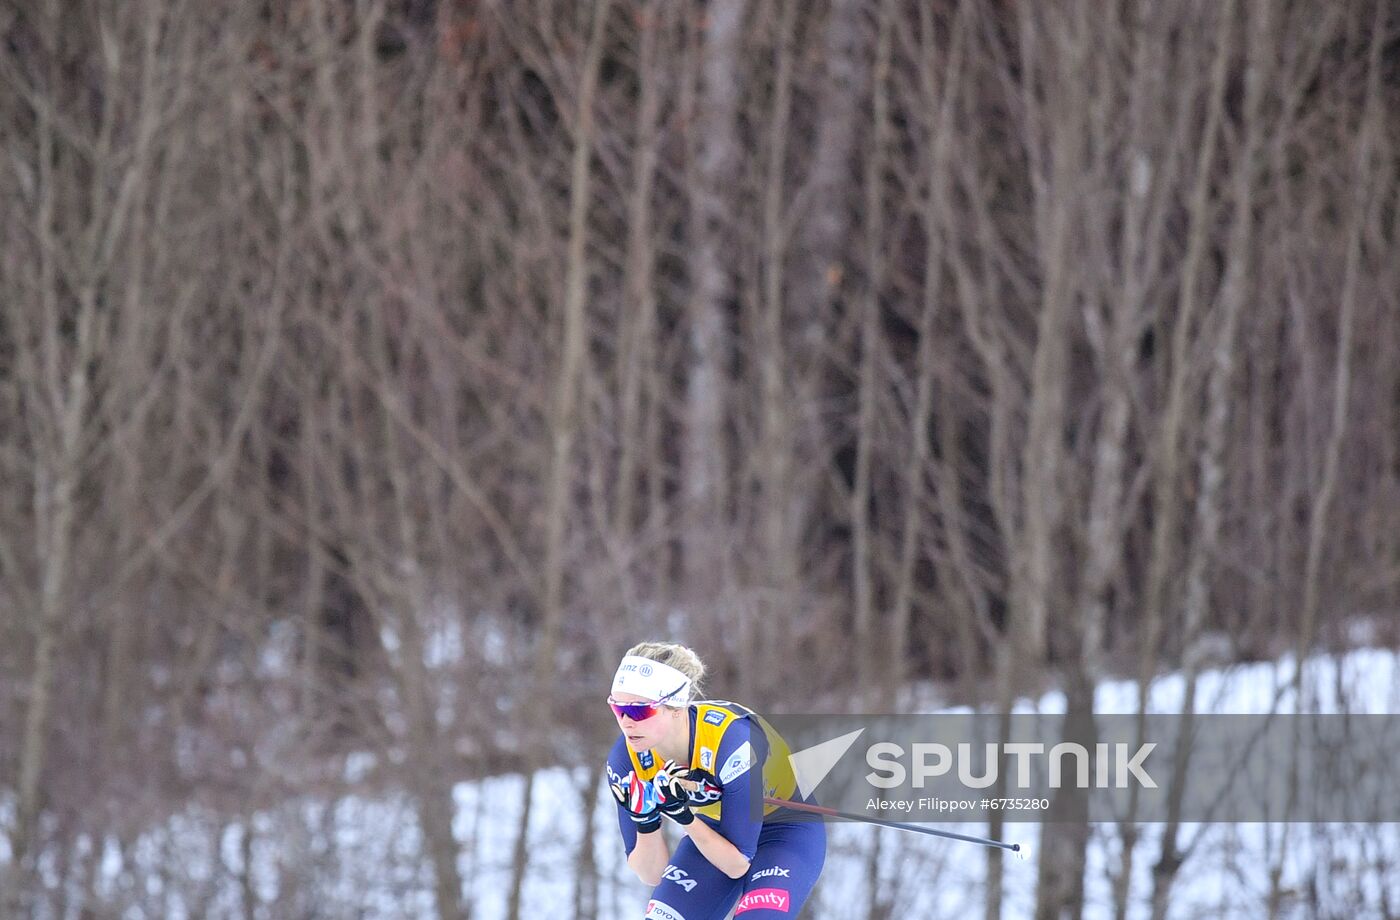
point(705, 764)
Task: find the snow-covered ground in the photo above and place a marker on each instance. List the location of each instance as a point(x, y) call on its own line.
point(1226, 877)
point(366, 857)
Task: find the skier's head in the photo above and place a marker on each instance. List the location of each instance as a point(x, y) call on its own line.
point(651, 691)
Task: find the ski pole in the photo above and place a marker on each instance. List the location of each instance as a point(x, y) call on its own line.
point(879, 822)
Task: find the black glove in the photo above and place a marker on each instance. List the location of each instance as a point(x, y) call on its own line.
point(639, 800)
point(673, 793)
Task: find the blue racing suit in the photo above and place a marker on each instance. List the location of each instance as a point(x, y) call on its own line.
point(785, 849)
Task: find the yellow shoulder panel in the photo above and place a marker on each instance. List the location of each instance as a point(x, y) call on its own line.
point(712, 719)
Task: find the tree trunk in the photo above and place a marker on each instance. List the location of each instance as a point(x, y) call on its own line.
point(1166, 500)
point(866, 635)
point(591, 798)
point(704, 467)
point(639, 303)
point(1361, 203)
point(777, 464)
point(1259, 45)
point(56, 473)
point(563, 428)
point(940, 91)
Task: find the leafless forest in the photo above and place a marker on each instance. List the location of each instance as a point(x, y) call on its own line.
point(373, 372)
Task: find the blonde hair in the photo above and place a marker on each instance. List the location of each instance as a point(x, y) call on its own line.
point(678, 657)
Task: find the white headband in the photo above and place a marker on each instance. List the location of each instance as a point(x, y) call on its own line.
point(652, 680)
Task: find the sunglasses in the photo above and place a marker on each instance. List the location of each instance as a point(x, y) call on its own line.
point(638, 712)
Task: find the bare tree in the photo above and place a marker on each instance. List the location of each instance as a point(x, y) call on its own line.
point(372, 373)
point(716, 151)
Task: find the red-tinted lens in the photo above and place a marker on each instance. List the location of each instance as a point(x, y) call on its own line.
point(634, 711)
